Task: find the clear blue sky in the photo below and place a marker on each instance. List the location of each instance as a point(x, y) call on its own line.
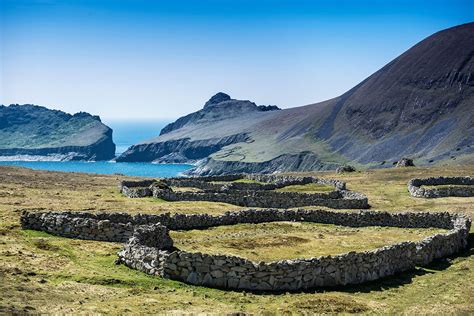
point(162, 59)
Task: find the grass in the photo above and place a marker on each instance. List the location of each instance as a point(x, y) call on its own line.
point(40, 273)
point(249, 181)
point(447, 186)
point(307, 188)
point(186, 189)
point(239, 181)
point(288, 240)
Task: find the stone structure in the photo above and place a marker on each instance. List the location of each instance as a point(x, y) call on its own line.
point(415, 187)
point(136, 189)
point(150, 248)
point(343, 169)
point(249, 194)
point(405, 162)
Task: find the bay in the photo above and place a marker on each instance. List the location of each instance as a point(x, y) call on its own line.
point(125, 134)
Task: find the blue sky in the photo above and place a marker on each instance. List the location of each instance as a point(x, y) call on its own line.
point(125, 59)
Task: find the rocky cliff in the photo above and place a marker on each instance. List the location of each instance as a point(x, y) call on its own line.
point(419, 105)
point(195, 136)
point(37, 133)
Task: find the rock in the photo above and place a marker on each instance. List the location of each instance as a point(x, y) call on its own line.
point(217, 98)
point(346, 168)
point(405, 162)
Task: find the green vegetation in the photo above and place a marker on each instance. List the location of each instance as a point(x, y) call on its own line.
point(239, 180)
point(29, 126)
point(186, 189)
point(249, 181)
point(307, 188)
point(288, 240)
point(40, 273)
point(447, 186)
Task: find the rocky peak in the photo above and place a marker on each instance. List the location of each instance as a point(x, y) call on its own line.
point(217, 98)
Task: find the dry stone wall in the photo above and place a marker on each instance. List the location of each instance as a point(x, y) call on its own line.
point(273, 199)
point(136, 189)
point(250, 194)
point(150, 249)
point(415, 187)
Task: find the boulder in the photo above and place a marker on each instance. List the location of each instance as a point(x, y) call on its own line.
point(405, 162)
point(346, 168)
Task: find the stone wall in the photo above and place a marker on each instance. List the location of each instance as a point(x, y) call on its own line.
point(415, 187)
point(263, 182)
point(272, 199)
point(253, 194)
point(150, 249)
point(80, 225)
point(136, 189)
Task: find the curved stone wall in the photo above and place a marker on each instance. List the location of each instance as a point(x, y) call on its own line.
point(150, 249)
point(249, 194)
point(415, 187)
point(263, 182)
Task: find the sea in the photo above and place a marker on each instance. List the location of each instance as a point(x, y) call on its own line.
point(126, 133)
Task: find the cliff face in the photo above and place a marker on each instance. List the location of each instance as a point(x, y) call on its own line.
point(41, 133)
point(196, 136)
point(419, 105)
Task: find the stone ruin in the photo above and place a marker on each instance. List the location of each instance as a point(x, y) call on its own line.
point(149, 248)
point(247, 194)
point(415, 187)
point(345, 169)
point(405, 162)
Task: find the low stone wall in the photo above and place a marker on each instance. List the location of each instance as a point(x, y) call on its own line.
point(150, 249)
point(249, 194)
point(264, 182)
point(415, 187)
point(272, 199)
point(231, 272)
point(79, 225)
point(136, 189)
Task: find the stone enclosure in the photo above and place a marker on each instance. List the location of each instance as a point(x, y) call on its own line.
point(149, 247)
point(259, 193)
point(415, 187)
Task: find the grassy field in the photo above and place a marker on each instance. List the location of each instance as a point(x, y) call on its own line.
point(307, 188)
point(40, 273)
point(289, 240)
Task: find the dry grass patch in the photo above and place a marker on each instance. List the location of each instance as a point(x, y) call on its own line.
point(291, 240)
point(307, 188)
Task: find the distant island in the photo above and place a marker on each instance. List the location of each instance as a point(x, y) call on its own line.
point(31, 132)
point(420, 105)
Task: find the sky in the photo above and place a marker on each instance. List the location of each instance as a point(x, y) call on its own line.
point(154, 60)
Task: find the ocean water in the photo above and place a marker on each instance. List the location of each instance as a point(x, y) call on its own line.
point(126, 133)
point(139, 169)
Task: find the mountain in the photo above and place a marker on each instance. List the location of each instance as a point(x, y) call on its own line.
point(195, 136)
point(419, 105)
point(38, 133)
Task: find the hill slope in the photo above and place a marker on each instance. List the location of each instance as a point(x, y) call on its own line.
point(44, 134)
point(418, 105)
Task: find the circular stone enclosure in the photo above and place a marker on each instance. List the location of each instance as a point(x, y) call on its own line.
point(248, 190)
point(449, 186)
point(150, 249)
